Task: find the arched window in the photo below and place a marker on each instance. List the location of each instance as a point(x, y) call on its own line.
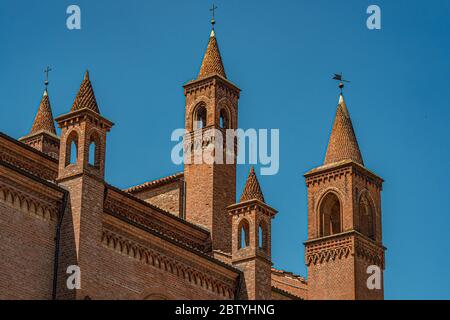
point(72, 148)
point(92, 153)
point(200, 117)
point(224, 120)
point(244, 234)
point(73, 152)
point(94, 150)
point(366, 218)
point(260, 237)
point(330, 215)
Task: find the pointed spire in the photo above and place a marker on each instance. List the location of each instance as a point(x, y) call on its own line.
point(343, 144)
point(85, 97)
point(252, 189)
point(212, 61)
point(44, 117)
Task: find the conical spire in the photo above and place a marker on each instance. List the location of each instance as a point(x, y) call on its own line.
point(252, 189)
point(85, 97)
point(343, 144)
point(44, 117)
point(212, 61)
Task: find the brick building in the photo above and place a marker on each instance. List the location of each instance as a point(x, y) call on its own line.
point(183, 236)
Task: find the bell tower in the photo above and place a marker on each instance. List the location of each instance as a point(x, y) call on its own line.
point(211, 109)
point(81, 172)
point(344, 220)
point(251, 240)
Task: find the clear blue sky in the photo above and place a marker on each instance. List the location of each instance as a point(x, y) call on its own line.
point(282, 55)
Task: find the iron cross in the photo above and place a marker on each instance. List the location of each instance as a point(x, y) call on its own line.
point(46, 71)
point(213, 10)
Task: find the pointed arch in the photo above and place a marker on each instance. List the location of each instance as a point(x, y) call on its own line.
point(330, 214)
point(263, 240)
point(243, 234)
point(200, 118)
point(224, 118)
point(367, 216)
point(72, 148)
point(94, 150)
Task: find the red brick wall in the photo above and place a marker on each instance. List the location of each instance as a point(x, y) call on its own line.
point(27, 251)
point(334, 279)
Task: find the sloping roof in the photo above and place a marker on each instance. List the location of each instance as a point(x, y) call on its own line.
point(85, 97)
point(343, 144)
point(155, 183)
point(252, 189)
point(212, 61)
point(44, 117)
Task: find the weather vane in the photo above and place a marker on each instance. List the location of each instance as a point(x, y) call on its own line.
point(213, 10)
point(46, 71)
point(338, 77)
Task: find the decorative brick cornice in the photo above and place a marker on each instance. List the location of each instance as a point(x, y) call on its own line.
point(28, 196)
point(370, 251)
point(331, 248)
point(343, 245)
point(162, 223)
point(218, 81)
point(248, 206)
point(331, 172)
point(26, 158)
point(188, 270)
point(81, 115)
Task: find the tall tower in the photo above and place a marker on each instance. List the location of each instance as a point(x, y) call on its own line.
point(81, 172)
point(43, 134)
point(344, 220)
point(211, 108)
point(251, 240)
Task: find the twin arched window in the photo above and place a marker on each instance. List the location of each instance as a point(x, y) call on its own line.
point(93, 152)
point(331, 216)
point(200, 118)
point(244, 235)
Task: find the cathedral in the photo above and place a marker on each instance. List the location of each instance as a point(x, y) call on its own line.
point(184, 236)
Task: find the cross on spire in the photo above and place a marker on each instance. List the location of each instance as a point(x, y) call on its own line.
point(46, 71)
point(213, 10)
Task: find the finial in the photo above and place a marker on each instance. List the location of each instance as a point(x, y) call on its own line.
point(46, 82)
point(213, 10)
point(338, 77)
point(86, 75)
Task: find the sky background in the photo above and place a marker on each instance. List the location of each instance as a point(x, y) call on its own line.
point(282, 54)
